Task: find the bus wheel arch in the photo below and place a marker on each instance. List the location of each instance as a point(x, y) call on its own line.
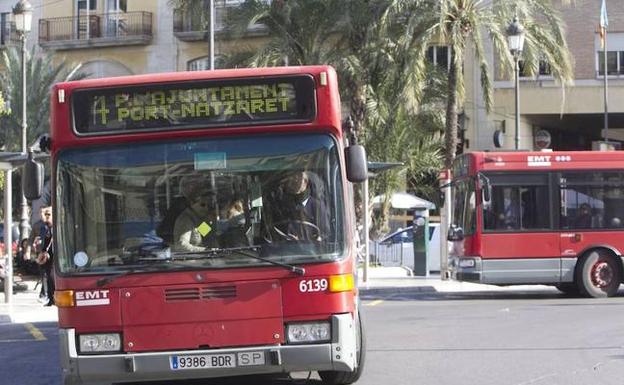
point(598, 273)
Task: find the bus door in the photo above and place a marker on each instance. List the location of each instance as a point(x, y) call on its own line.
point(519, 244)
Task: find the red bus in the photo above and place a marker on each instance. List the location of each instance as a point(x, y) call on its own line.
point(172, 258)
point(552, 218)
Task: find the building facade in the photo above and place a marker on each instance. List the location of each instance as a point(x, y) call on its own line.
point(125, 37)
point(552, 117)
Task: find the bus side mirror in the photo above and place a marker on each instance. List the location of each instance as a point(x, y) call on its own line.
point(486, 195)
point(357, 167)
point(455, 233)
point(486, 191)
point(32, 178)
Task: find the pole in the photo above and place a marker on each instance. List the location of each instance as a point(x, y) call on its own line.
point(606, 99)
point(24, 225)
point(517, 81)
point(366, 225)
point(8, 224)
point(212, 11)
point(445, 222)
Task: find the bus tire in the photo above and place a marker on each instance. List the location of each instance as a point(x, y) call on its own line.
point(599, 274)
point(334, 377)
point(568, 288)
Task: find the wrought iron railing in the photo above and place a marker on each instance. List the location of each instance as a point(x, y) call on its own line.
point(115, 25)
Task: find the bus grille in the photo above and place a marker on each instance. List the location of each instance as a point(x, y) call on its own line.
point(198, 293)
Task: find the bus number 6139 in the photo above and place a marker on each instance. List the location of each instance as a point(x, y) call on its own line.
point(311, 285)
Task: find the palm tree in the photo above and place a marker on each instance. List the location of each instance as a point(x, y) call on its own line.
point(41, 74)
point(364, 41)
point(465, 24)
point(3, 106)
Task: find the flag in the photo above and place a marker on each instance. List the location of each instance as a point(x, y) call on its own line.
point(604, 23)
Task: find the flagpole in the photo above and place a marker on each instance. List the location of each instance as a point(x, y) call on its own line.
point(606, 97)
point(604, 23)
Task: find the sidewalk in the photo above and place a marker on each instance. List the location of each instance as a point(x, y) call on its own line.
point(25, 306)
point(386, 280)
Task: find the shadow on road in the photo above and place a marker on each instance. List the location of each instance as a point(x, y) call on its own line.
point(547, 294)
point(246, 380)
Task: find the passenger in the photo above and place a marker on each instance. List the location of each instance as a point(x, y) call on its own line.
point(234, 232)
point(583, 219)
point(194, 228)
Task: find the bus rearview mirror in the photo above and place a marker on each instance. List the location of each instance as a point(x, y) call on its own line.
point(32, 179)
point(357, 167)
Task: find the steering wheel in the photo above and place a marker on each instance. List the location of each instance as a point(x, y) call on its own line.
point(282, 230)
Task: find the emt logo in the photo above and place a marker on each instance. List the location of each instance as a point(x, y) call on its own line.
point(92, 298)
point(538, 160)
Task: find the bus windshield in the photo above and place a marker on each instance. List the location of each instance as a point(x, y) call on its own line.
point(201, 203)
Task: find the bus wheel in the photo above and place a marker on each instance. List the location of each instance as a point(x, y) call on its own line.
point(333, 377)
point(599, 275)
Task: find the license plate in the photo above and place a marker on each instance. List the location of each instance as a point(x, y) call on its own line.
point(202, 361)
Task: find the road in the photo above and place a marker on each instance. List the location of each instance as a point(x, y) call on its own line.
point(516, 338)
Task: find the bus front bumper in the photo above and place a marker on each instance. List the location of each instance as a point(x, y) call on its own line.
point(339, 354)
point(466, 269)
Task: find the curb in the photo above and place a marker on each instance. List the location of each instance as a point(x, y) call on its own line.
point(397, 290)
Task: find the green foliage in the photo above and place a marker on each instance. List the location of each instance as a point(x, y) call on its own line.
point(41, 73)
point(464, 25)
point(399, 105)
point(3, 106)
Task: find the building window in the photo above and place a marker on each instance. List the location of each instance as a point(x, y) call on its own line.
point(203, 63)
point(615, 55)
point(439, 55)
point(82, 5)
point(5, 28)
point(544, 70)
point(615, 63)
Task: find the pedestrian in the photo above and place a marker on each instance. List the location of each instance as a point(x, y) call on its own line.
point(42, 242)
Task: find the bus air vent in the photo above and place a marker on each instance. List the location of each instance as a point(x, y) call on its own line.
point(213, 292)
point(185, 294)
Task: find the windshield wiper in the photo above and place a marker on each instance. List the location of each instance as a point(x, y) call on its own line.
point(208, 253)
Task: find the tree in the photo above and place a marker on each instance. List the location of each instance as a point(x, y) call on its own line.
point(365, 41)
point(464, 25)
point(41, 74)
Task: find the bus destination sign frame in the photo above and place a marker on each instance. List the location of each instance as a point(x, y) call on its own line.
point(213, 103)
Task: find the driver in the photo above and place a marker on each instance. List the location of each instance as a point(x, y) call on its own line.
point(298, 213)
point(194, 228)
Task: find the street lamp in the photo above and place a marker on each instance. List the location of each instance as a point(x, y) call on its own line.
point(515, 40)
point(22, 15)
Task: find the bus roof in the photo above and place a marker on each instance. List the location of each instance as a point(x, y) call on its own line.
point(541, 160)
point(326, 116)
point(166, 77)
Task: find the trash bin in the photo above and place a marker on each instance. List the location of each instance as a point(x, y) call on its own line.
point(421, 240)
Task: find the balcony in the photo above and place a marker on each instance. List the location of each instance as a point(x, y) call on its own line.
point(101, 30)
point(191, 26)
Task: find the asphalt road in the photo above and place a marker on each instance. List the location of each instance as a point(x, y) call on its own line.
point(519, 338)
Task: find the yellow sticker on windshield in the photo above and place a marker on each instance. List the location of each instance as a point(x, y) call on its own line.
point(204, 229)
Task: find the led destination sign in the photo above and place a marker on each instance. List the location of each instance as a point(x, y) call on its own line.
point(218, 103)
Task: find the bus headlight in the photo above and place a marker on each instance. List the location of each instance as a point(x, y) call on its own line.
point(308, 332)
point(467, 263)
point(96, 343)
